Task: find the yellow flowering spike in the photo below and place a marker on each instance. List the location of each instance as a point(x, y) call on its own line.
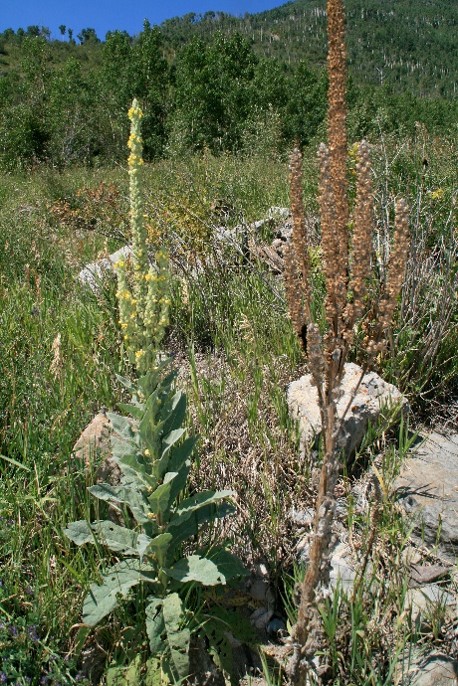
point(142, 290)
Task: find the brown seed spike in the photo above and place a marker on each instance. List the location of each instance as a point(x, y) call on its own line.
point(337, 139)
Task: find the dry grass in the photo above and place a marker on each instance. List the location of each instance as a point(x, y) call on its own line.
point(260, 462)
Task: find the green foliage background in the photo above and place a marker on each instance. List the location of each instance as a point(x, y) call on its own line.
point(208, 81)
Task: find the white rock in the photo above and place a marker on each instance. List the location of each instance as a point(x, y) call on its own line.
point(373, 395)
point(423, 602)
point(93, 273)
point(427, 488)
point(438, 670)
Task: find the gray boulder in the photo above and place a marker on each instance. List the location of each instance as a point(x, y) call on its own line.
point(94, 272)
point(436, 670)
point(374, 396)
point(427, 489)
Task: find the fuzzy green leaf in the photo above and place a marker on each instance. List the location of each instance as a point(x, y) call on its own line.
point(124, 676)
point(136, 410)
point(229, 565)
point(116, 583)
point(121, 425)
point(120, 447)
point(178, 638)
point(168, 443)
point(181, 453)
point(172, 437)
point(159, 546)
point(203, 498)
point(177, 414)
point(123, 495)
point(155, 626)
point(120, 539)
point(160, 498)
point(135, 472)
point(187, 524)
point(79, 532)
point(198, 569)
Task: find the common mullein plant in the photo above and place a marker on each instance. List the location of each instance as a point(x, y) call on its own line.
point(346, 241)
point(149, 445)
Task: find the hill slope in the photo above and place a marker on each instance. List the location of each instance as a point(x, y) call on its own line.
point(406, 44)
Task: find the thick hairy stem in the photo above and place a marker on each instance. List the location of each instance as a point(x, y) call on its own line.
point(307, 631)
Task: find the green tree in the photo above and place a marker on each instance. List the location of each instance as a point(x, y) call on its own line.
point(88, 36)
point(306, 104)
point(213, 91)
point(150, 84)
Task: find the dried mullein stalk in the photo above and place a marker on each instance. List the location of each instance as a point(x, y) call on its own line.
point(346, 267)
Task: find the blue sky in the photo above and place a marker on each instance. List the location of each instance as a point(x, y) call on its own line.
point(107, 15)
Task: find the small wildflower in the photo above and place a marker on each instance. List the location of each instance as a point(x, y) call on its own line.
point(437, 194)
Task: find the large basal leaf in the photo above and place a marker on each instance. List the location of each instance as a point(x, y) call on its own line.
point(137, 504)
point(79, 532)
point(228, 564)
point(218, 568)
point(116, 583)
point(120, 539)
point(155, 626)
point(153, 674)
point(177, 414)
point(121, 425)
point(220, 627)
point(189, 505)
point(124, 676)
point(187, 524)
point(198, 569)
point(121, 447)
point(178, 638)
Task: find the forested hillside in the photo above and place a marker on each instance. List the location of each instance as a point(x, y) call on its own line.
point(223, 82)
point(404, 43)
